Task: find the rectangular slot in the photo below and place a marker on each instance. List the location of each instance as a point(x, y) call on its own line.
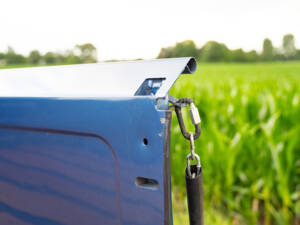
point(147, 183)
point(150, 86)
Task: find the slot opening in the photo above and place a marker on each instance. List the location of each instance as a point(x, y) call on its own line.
point(147, 183)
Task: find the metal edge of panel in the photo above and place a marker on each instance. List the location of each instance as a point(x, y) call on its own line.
point(190, 67)
point(168, 220)
point(118, 79)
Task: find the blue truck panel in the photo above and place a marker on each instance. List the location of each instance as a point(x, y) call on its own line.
point(69, 161)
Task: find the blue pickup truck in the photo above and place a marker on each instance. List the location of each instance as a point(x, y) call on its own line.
point(87, 144)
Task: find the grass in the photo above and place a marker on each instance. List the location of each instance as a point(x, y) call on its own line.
point(250, 144)
point(17, 66)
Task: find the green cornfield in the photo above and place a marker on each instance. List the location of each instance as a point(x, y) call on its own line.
point(249, 146)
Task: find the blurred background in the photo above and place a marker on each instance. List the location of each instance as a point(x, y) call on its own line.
point(247, 86)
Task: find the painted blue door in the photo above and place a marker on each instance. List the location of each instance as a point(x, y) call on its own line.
point(77, 162)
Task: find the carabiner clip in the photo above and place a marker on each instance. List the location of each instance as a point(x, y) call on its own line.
point(194, 114)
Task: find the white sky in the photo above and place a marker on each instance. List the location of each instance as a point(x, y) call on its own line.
point(128, 29)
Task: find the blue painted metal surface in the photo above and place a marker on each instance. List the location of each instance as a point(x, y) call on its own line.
point(76, 161)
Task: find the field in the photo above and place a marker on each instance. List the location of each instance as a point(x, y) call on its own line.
point(250, 143)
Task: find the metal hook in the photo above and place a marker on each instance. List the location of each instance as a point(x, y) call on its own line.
point(188, 164)
point(192, 145)
point(194, 114)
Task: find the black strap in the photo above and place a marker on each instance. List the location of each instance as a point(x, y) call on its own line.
point(194, 191)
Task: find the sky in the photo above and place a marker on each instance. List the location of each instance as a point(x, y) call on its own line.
point(130, 29)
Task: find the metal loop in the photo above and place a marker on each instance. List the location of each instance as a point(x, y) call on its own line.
point(180, 119)
point(188, 164)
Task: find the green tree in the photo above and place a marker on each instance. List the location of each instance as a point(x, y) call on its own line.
point(238, 55)
point(56, 58)
point(288, 46)
point(2, 59)
point(71, 58)
point(213, 51)
point(13, 58)
point(279, 56)
point(268, 50)
point(50, 58)
point(252, 56)
point(87, 52)
point(181, 49)
point(166, 53)
point(186, 49)
point(34, 57)
point(297, 56)
point(60, 58)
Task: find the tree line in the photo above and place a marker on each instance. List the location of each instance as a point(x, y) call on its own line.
point(83, 53)
point(214, 51)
